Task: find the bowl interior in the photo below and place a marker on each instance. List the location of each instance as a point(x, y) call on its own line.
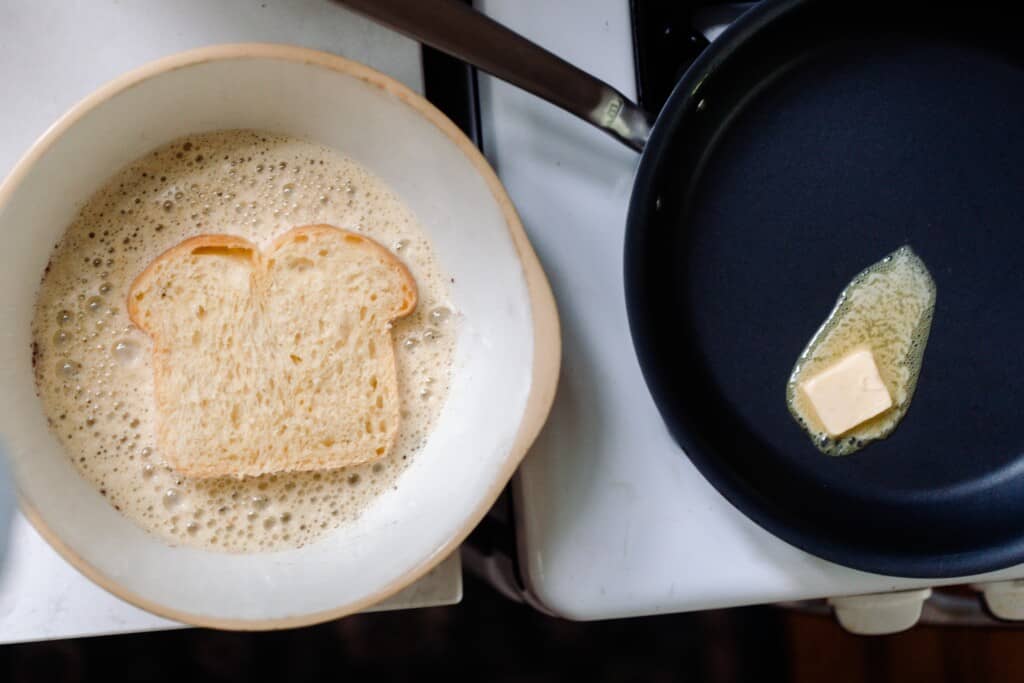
point(468, 455)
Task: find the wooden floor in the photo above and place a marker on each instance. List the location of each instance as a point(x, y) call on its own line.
point(817, 650)
point(488, 638)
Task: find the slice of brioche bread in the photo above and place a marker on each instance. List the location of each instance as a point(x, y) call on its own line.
point(273, 362)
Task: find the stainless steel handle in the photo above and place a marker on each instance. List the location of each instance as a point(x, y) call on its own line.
point(464, 33)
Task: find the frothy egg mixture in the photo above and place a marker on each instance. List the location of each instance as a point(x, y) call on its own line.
point(93, 368)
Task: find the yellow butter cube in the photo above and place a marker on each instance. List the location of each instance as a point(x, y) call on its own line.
point(847, 393)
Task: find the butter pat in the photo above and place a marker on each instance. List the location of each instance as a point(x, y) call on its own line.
point(847, 393)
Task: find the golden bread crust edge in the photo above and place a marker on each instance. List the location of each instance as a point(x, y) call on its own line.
point(142, 280)
point(393, 261)
point(260, 259)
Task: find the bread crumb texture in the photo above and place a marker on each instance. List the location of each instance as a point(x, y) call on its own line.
point(273, 362)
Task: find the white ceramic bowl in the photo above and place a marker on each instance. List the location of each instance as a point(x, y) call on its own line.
point(506, 360)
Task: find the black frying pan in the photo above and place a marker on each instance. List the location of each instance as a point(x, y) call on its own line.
point(808, 141)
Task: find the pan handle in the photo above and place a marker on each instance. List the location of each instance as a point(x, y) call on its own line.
point(462, 32)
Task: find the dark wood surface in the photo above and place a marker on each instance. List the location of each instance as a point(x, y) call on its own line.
point(488, 638)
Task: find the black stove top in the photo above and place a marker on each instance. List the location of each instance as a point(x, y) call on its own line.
point(664, 44)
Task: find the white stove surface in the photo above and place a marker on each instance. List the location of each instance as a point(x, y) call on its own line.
point(614, 520)
point(52, 54)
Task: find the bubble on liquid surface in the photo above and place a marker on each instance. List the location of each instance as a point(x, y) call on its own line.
point(68, 368)
point(172, 499)
point(126, 351)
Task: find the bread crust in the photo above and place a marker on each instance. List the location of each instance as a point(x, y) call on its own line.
point(261, 261)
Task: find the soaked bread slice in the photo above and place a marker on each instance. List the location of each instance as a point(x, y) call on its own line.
point(273, 362)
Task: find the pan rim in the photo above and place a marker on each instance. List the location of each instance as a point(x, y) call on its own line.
point(684, 98)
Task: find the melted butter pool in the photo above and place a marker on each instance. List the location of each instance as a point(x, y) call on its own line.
point(888, 308)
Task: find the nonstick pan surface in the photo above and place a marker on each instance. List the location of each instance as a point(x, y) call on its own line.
point(807, 144)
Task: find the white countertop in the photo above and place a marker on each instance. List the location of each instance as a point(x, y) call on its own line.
point(42, 597)
point(614, 519)
point(54, 53)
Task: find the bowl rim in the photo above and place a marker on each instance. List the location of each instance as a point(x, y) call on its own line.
point(544, 314)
